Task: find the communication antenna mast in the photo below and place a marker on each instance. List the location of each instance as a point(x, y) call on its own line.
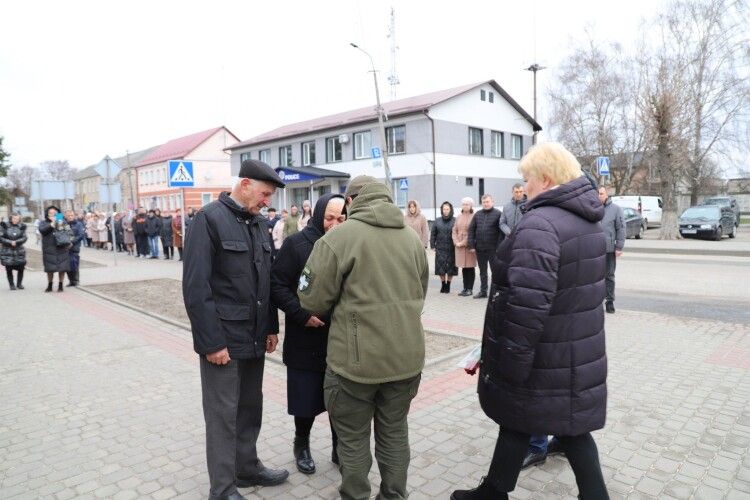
point(393, 77)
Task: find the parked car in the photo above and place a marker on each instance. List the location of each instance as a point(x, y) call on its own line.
point(634, 224)
point(648, 206)
point(725, 201)
point(707, 221)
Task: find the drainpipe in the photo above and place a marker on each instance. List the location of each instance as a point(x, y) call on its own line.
point(434, 168)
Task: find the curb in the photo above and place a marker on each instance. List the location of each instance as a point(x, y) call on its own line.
point(186, 327)
point(689, 251)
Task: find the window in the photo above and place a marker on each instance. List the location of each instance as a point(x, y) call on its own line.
point(482, 95)
point(476, 147)
point(400, 195)
point(285, 156)
point(516, 142)
point(492, 97)
point(497, 144)
point(470, 181)
point(324, 190)
point(362, 145)
point(264, 155)
point(205, 199)
point(333, 150)
point(395, 137)
point(244, 156)
point(308, 153)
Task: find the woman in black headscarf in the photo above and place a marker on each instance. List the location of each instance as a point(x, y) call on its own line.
point(306, 335)
point(12, 252)
point(441, 240)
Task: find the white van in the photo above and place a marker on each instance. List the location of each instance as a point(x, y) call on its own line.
point(648, 206)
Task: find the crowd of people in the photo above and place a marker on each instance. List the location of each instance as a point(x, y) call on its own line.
point(352, 282)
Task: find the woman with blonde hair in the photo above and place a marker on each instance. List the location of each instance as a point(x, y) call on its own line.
point(544, 363)
point(466, 258)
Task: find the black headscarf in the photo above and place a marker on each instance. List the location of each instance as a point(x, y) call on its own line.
point(46, 212)
point(314, 229)
point(450, 215)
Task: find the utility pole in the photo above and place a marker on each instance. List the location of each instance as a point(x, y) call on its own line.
point(379, 109)
point(534, 68)
point(393, 77)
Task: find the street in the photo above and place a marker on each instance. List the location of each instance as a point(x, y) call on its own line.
point(102, 401)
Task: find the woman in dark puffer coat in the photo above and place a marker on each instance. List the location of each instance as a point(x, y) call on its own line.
point(55, 254)
point(12, 252)
point(544, 365)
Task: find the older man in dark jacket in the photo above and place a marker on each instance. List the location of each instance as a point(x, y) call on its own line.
point(613, 224)
point(484, 235)
point(227, 293)
point(512, 211)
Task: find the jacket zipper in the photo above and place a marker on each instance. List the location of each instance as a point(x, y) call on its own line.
point(356, 338)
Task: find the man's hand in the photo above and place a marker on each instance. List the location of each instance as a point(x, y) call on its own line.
point(314, 322)
point(219, 357)
point(12, 243)
point(618, 253)
point(271, 343)
point(471, 250)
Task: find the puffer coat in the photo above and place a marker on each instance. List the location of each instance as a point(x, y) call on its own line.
point(12, 256)
point(544, 365)
point(56, 259)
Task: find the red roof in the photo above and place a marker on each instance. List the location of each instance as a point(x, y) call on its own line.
point(405, 106)
point(178, 148)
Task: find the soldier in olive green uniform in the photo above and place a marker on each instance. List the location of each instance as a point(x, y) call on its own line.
point(372, 271)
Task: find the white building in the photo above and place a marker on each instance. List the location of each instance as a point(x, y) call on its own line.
point(445, 145)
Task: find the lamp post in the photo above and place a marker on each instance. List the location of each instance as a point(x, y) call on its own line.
point(379, 109)
point(534, 68)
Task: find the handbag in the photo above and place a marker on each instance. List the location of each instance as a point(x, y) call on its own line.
point(62, 238)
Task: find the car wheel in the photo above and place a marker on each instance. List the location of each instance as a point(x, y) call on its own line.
point(641, 231)
point(734, 232)
point(719, 234)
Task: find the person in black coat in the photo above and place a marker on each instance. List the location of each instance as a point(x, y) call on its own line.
point(141, 238)
point(166, 237)
point(55, 247)
point(12, 252)
point(306, 335)
point(79, 235)
point(153, 231)
point(226, 287)
point(544, 364)
point(484, 235)
point(441, 240)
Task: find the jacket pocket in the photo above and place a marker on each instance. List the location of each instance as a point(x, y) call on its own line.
point(354, 332)
point(235, 258)
point(236, 320)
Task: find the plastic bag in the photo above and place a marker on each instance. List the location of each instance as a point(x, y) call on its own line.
point(470, 363)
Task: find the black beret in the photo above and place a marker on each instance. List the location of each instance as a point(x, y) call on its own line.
point(254, 169)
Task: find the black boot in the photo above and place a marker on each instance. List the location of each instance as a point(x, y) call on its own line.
point(484, 491)
point(302, 455)
point(12, 286)
point(447, 287)
point(49, 287)
point(60, 287)
point(19, 279)
point(442, 287)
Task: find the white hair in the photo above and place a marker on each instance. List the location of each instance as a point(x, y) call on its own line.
point(467, 200)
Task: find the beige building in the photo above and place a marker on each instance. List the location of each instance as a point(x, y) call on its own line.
point(211, 170)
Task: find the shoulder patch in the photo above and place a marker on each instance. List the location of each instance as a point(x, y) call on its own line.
point(305, 279)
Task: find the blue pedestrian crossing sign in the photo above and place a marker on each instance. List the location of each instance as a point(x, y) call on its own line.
point(181, 173)
point(403, 185)
point(602, 164)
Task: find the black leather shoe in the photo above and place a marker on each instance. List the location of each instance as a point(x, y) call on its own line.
point(482, 492)
point(533, 459)
point(481, 295)
point(610, 307)
point(12, 286)
point(20, 286)
point(302, 456)
point(266, 477)
point(554, 448)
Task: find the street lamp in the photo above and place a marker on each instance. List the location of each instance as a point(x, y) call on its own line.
point(379, 109)
point(534, 68)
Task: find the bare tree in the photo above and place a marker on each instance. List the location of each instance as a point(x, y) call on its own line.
point(711, 36)
point(56, 170)
point(594, 109)
point(20, 179)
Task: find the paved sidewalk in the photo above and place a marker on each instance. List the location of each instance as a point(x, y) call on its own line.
point(99, 401)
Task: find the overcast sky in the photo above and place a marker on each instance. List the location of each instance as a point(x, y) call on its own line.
point(80, 80)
